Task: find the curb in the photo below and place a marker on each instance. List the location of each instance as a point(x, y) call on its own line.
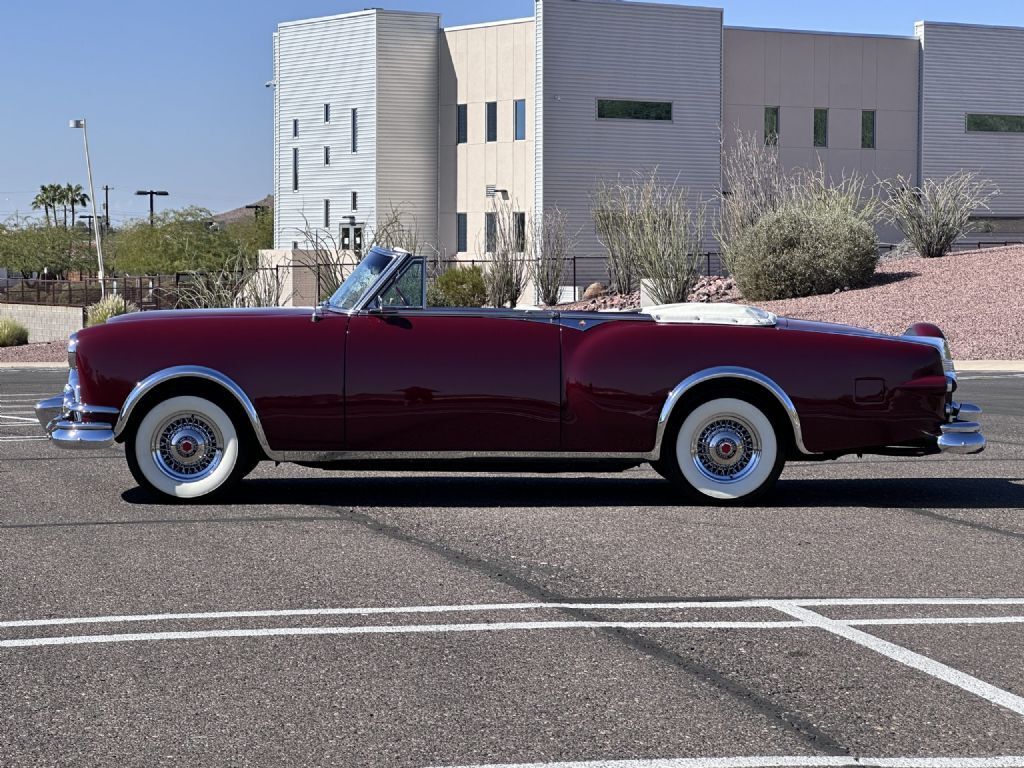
point(52, 366)
point(1002, 366)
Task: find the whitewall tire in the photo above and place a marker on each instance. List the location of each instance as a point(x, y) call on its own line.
point(185, 448)
point(726, 450)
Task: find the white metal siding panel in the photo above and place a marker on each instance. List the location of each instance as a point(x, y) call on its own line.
point(617, 50)
point(331, 60)
point(407, 99)
point(538, 110)
point(973, 69)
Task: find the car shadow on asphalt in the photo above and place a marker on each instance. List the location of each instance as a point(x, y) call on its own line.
point(498, 491)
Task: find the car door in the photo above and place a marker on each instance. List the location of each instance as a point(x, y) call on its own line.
point(464, 380)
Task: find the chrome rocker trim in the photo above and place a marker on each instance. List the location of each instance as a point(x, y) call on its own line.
point(728, 372)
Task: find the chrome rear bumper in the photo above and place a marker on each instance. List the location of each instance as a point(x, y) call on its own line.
point(961, 435)
point(71, 423)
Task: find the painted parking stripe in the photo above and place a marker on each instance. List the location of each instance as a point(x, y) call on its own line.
point(393, 629)
point(779, 761)
point(494, 607)
point(929, 666)
point(22, 439)
point(931, 620)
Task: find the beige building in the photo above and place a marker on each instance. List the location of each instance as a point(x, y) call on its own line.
point(384, 110)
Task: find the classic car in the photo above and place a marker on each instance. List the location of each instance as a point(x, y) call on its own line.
point(715, 397)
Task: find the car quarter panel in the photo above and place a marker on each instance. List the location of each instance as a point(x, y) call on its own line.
point(850, 390)
point(291, 369)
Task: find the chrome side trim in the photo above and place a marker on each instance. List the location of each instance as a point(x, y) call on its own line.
point(727, 372)
point(194, 372)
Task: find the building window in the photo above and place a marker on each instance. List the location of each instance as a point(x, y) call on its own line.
point(327, 214)
point(977, 123)
point(617, 109)
point(327, 155)
point(492, 121)
point(821, 127)
point(867, 129)
point(460, 233)
point(520, 115)
point(461, 124)
point(295, 245)
point(519, 230)
point(295, 129)
point(295, 169)
point(490, 232)
point(327, 113)
point(355, 130)
point(771, 125)
point(355, 201)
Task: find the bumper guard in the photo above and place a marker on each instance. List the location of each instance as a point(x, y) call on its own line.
point(962, 435)
point(71, 423)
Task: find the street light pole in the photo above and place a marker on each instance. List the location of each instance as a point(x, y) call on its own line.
point(152, 193)
point(92, 198)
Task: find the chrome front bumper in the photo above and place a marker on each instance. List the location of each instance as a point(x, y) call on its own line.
point(962, 435)
point(70, 423)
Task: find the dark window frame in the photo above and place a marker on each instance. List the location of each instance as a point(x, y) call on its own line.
point(327, 154)
point(490, 121)
point(868, 129)
point(355, 130)
point(519, 231)
point(295, 128)
point(821, 143)
point(355, 200)
point(490, 232)
point(327, 113)
point(993, 116)
point(772, 119)
point(609, 106)
point(461, 123)
point(327, 213)
point(461, 233)
point(295, 169)
point(519, 120)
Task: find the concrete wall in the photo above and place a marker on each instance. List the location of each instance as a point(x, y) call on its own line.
point(478, 64)
point(979, 69)
point(612, 50)
point(45, 323)
point(801, 71)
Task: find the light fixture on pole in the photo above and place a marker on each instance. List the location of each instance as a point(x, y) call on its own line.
point(92, 198)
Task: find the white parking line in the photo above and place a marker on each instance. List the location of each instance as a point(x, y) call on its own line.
point(779, 761)
point(909, 658)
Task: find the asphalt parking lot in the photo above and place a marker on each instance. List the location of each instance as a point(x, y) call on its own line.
point(871, 613)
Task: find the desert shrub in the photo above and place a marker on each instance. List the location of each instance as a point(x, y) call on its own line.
point(803, 250)
point(233, 285)
point(650, 230)
point(508, 272)
point(793, 234)
point(106, 308)
point(551, 243)
point(934, 216)
point(458, 287)
point(12, 333)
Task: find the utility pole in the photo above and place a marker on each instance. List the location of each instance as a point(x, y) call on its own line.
point(152, 193)
point(106, 206)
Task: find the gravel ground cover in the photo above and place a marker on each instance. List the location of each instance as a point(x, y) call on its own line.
point(45, 352)
point(974, 296)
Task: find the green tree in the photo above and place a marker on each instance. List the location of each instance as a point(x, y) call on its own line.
point(42, 200)
point(181, 240)
point(75, 196)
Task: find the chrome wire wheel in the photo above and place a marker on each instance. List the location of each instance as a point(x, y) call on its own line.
point(726, 449)
point(187, 447)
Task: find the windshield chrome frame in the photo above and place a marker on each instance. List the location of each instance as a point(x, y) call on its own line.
point(399, 257)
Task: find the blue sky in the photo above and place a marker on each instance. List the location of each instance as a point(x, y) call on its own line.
point(174, 96)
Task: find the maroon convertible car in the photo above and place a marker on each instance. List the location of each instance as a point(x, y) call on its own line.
point(715, 397)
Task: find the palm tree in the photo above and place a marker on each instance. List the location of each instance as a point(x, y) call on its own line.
point(74, 195)
point(42, 200)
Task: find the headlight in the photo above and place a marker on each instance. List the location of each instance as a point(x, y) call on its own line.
point(72, 349)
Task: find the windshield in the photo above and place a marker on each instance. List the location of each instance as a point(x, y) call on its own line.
point(359, 281)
